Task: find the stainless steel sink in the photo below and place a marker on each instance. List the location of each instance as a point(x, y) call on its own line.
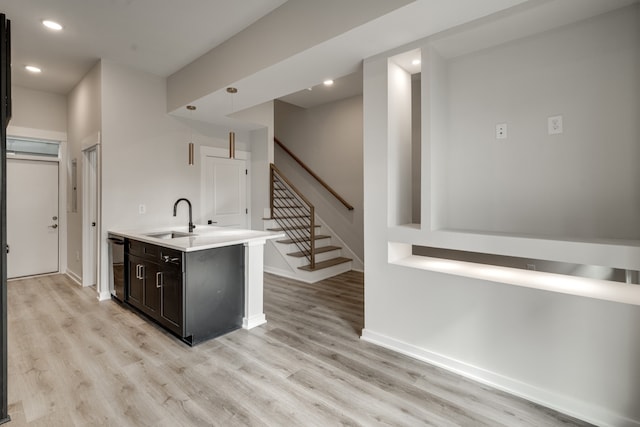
point(168, 234)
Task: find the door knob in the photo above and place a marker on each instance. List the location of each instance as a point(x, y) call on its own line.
point(93, 224)
point(53, 226)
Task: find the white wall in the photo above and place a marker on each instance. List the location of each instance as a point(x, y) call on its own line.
point(399, 146)
point(144, 156)
point(416, 151)
point(261, 147)
point(43, 115)
point(575, 354)
point(36, 109)
point(328, 138)
point(83, 121)
point(582, 184)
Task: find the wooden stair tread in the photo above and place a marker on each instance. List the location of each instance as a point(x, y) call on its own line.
point(290, 241)
point(326, 264)
point(319, 250)
point(297, 227)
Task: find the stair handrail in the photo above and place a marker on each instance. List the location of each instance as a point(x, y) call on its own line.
point(311, 256)
point(314, 175)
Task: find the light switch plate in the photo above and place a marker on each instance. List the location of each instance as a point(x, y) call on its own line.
point(554, 125)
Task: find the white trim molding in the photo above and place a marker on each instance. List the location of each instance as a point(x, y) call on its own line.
point(565, 404)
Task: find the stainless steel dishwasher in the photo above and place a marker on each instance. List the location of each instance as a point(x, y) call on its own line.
point(116, 266)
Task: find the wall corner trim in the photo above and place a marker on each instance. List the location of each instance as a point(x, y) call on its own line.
point(91, 141)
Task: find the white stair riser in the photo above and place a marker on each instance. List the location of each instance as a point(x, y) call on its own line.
point(325, 273)
point(302, 261)
point(295, 262)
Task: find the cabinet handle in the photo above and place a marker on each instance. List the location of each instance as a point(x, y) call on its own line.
point(159, 279)
point(139, 271)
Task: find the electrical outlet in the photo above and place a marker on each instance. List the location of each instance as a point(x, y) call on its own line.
point(501, 131)
point(554, 125)
point(531, 267)
point(142, 209)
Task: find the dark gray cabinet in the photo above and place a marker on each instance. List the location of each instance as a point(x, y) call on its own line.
point(145, 277)
point(135, 281)
point(196, 295)
point(171, 298)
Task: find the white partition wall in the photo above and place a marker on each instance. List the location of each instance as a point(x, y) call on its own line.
point(571, 344)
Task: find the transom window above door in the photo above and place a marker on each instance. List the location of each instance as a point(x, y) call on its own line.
point(33, 147)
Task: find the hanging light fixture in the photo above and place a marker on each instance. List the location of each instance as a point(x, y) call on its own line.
point(232, 134)
point(191, 109)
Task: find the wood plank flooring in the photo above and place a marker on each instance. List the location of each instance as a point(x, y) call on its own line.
point(74, 361)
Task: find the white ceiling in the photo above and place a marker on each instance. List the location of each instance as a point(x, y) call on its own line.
point(151, 35)
point(162, 36)
point(343, 87)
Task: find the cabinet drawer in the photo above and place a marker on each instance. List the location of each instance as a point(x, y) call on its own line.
point(135, 247)
point(170, 257)
point(161, 255)
point(144, 250)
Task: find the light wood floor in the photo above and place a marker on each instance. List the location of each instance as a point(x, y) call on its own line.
point(76, 362)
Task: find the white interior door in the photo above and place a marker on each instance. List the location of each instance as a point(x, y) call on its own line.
point(225, 192)
point(32, 217)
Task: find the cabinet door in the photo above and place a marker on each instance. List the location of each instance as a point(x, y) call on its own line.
point(171, 298)
point(135, 290)
point(152, 286)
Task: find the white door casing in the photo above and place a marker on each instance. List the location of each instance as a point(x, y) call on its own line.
point(32, 217)
point(90, 217)
point(224, 188)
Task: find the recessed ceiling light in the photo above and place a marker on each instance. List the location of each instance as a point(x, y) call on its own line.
point(52, 25)
point(416, 62)
point(33, 69)
point(328, 82)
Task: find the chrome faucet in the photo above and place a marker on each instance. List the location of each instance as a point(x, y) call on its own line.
point(175, 208)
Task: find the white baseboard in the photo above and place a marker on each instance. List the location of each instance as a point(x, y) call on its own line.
point(253, 321)
point(104, 296)
point(561, 403)
point(283, 273)
point(303, 276)
point(73, 276)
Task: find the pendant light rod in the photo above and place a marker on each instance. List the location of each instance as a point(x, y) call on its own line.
point(191, 109)
point(232, 134)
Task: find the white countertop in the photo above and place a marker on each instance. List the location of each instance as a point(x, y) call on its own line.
point(202, 237)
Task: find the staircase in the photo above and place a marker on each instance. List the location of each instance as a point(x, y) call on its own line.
point(309, 247)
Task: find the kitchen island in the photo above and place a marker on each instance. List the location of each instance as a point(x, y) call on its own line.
point(198, 285)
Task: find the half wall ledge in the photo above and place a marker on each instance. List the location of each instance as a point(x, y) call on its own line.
point(400, 254)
